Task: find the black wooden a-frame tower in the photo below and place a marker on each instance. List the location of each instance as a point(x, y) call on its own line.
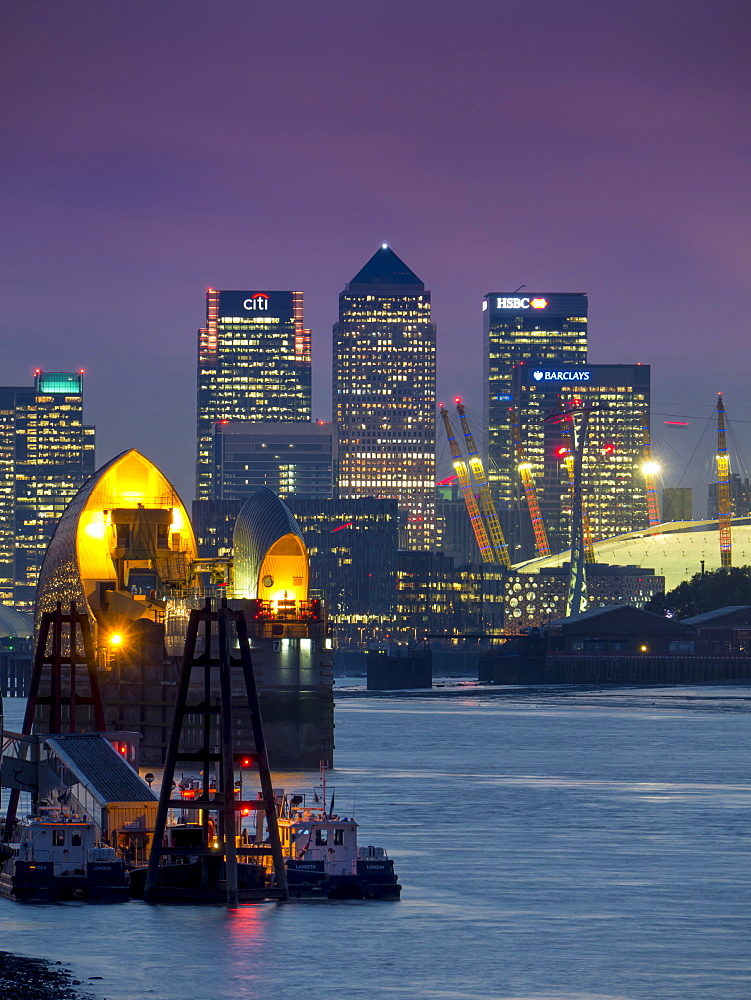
point(220, 876)
point(58, 657)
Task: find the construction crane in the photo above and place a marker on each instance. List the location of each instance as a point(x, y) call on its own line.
point(462, 473)
point(723, 487)
point(530, 493)
point(567, 452)
point(650, 470)
point(487, 507)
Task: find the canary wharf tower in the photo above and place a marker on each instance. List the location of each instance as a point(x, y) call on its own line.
point(523, 326)
point(253, 364)
point(384, 393)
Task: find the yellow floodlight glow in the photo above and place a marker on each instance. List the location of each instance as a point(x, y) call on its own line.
point(650, 468)
point(524, 467)
point(96, 527)
point(177, 519)
point(115, 640)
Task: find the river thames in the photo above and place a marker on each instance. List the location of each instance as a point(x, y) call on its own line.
point(552, 844)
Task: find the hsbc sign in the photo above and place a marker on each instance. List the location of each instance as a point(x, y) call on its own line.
point(511, 302)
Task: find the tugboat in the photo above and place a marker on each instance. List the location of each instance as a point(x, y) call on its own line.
point(322, 856)
point(56, 857)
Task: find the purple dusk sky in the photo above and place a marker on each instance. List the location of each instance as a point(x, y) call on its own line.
point(152, 148)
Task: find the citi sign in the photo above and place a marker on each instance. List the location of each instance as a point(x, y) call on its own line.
point(257, 303)
point(525, 303)
point(539, 376)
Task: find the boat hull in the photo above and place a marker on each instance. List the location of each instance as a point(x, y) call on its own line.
point(98, 881)
point(374, 879)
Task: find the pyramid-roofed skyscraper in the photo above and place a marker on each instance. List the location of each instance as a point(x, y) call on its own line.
point(384, 392)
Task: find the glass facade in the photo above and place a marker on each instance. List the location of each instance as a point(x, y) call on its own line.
point(385, 394)
point(46, 454)
point(613, 482)
point(352, 547)
point(287, 458)
point(544, 326)
point(253, 365)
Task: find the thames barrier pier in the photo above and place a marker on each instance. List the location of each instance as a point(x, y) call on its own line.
point(124, 551)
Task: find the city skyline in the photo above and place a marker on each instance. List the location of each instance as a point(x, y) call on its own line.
point(626, 179)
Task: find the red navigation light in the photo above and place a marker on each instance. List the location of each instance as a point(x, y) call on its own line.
point(37, 371)
point(561, 451)
point(608, 448)
point(245, 811)
point(457, 399)
point(81, 371)
point(123, 748)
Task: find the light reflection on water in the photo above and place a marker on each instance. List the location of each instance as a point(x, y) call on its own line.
point(589, 847)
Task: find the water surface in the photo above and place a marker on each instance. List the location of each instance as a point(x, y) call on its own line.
point(577, 845)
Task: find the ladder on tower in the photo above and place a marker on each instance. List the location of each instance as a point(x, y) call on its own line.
point(221, 878)
point(569, 438)
point(64, 650)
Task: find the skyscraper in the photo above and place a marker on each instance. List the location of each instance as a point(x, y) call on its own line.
point(384, 392)
point(253, 364)
point(613, 483)
point(288, 458)
point(46, 454)
point(540, 326)
point(292, 459)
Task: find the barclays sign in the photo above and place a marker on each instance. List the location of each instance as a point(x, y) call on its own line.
point(580, 376)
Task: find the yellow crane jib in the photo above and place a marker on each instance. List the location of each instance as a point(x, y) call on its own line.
point(724, 511)
point(462, 474)
point(487, 507)
point(650, 469)
point(528, 484)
